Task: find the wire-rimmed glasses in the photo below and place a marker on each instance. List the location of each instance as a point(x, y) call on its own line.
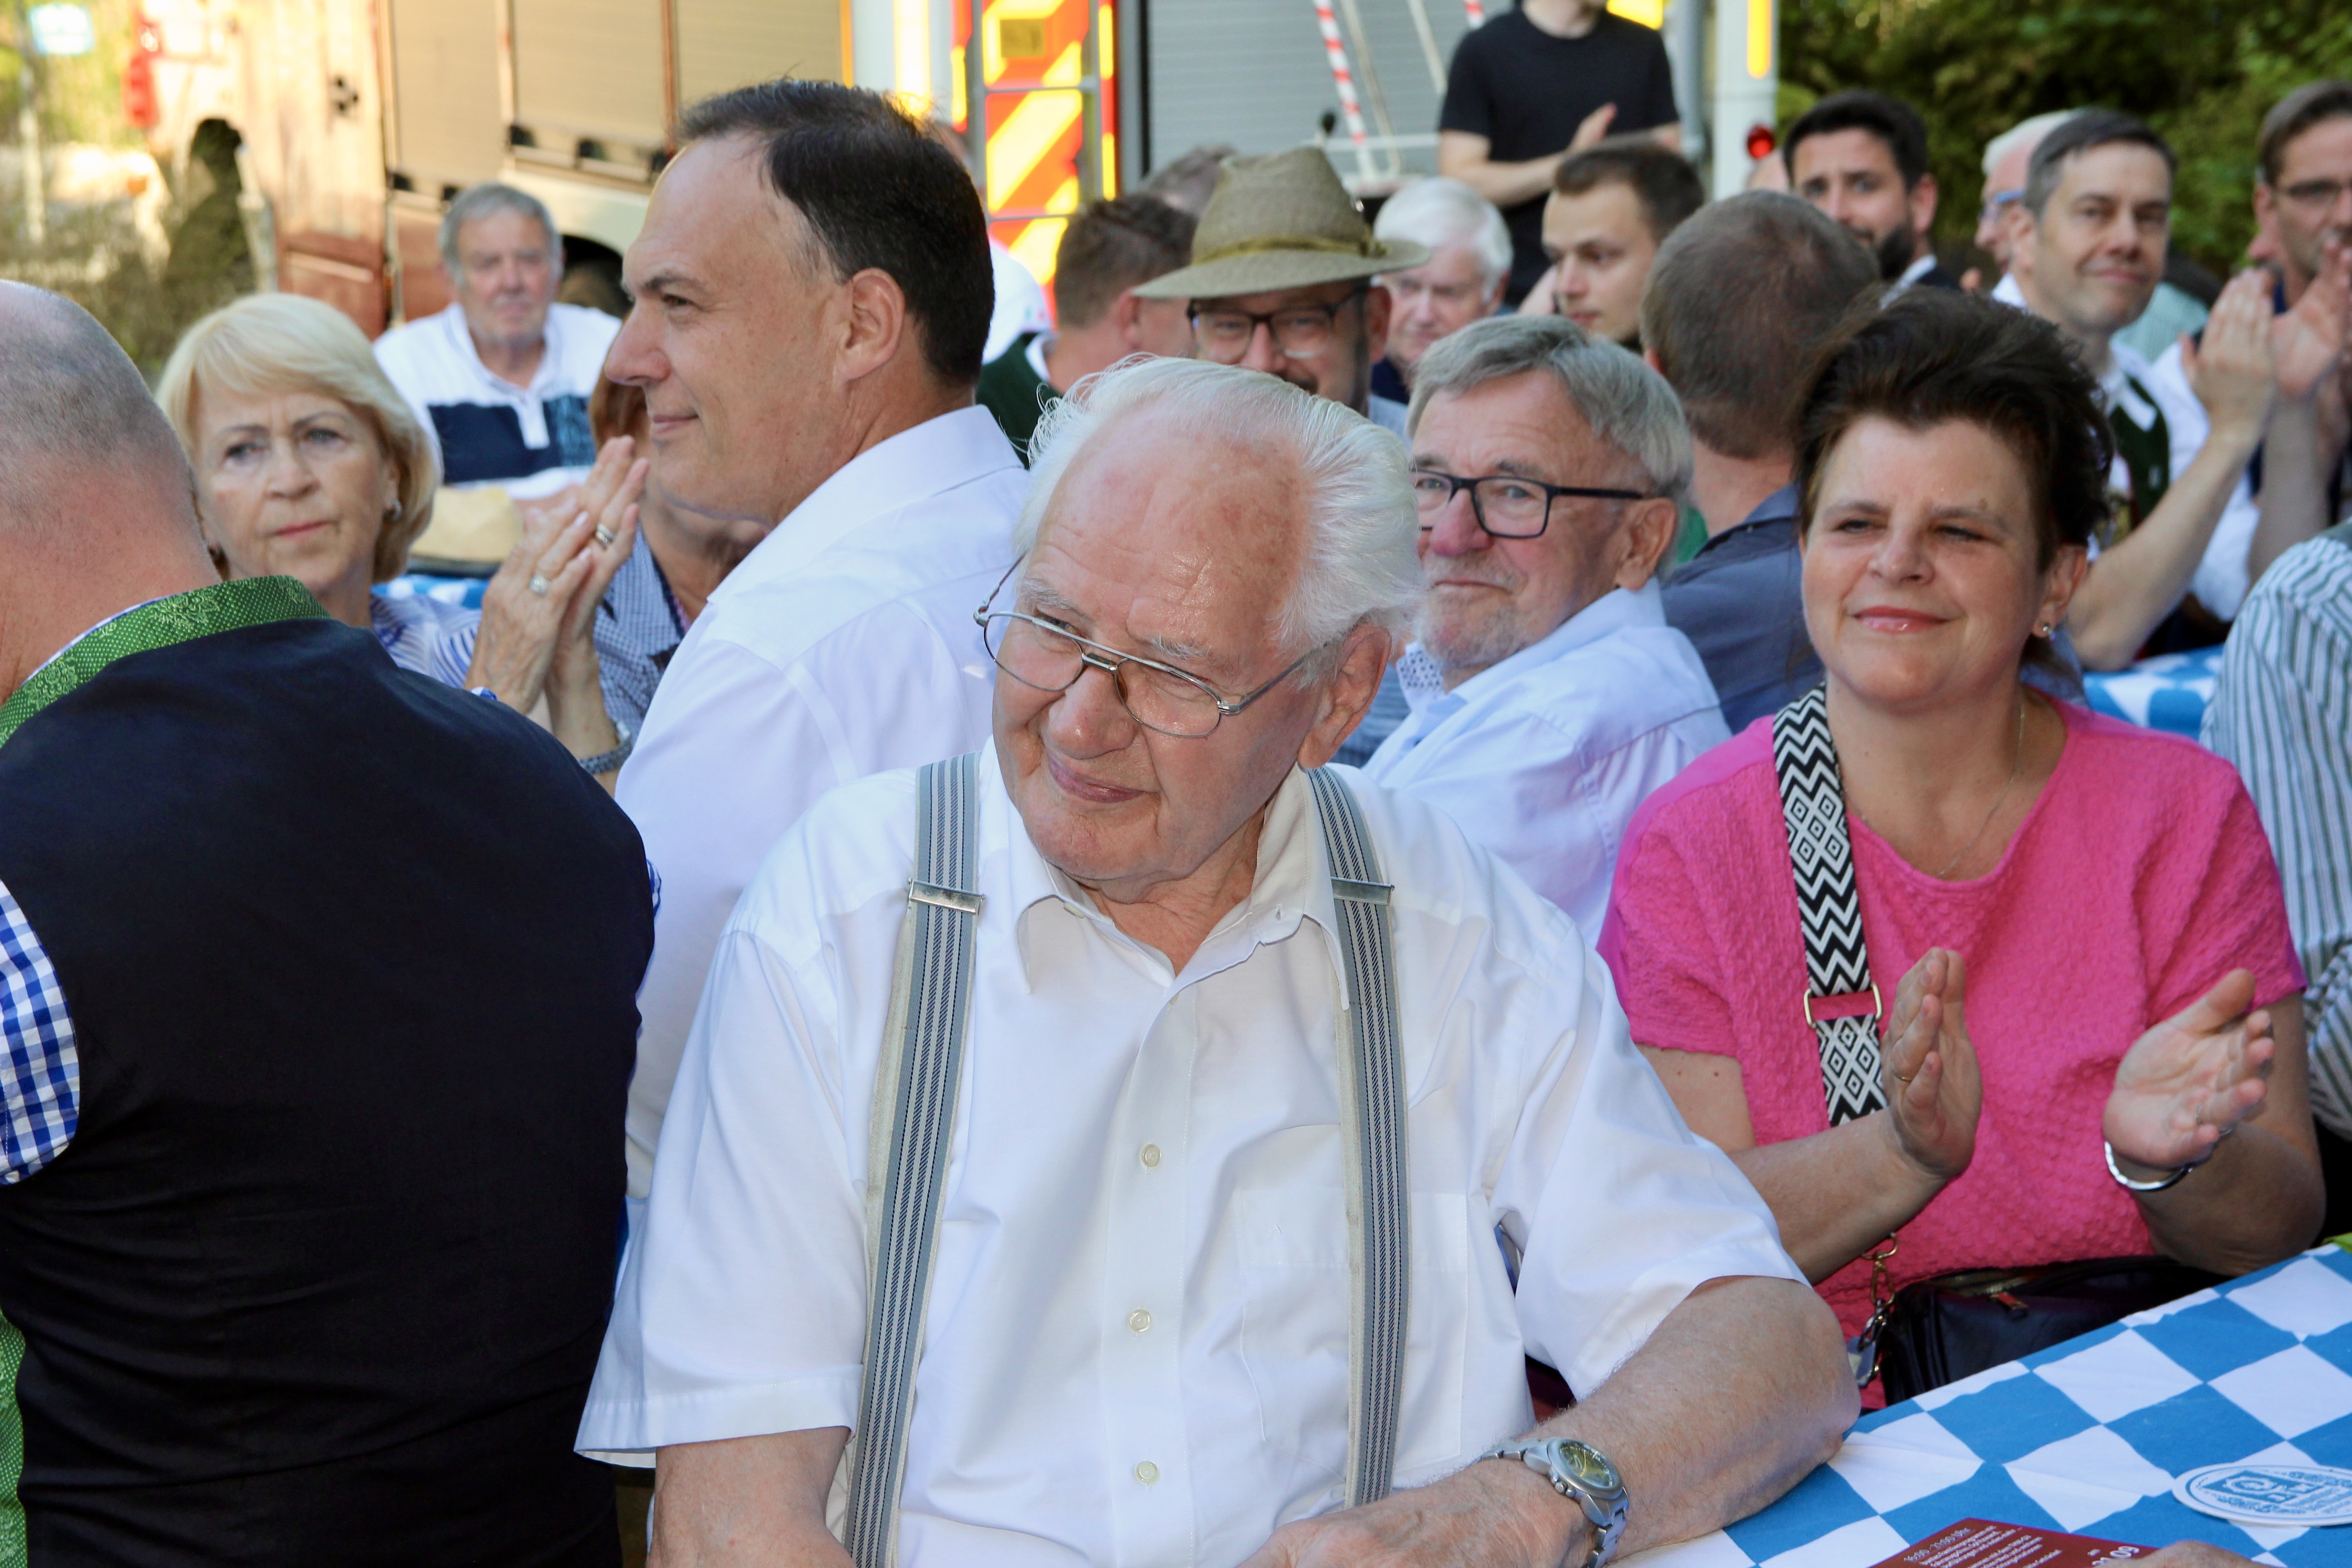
point(1047, 657)
point(1506, 505)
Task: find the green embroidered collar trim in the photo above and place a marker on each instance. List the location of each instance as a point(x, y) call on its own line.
point(183, 617)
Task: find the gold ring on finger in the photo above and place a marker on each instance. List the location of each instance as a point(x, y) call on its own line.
point(539, 585)
point(1904, 1076)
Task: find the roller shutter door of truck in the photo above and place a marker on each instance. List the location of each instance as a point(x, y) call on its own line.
point(723, 44)
point(590, 70)
point(445, 73)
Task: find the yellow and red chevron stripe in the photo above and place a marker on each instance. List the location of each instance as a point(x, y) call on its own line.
point(1037, 133)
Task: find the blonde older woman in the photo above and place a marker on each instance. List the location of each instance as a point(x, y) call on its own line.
point(309, 465)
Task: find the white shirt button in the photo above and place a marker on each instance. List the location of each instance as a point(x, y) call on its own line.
point(1151, 1156)
point(1138, 1320)
point(1147, 1472)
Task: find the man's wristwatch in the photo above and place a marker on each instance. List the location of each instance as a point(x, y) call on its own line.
point(1583, 1474)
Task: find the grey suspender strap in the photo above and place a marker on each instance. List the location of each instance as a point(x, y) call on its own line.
point(1372, 1132)
point(914, 1126)
point(1840, 1001)
point(915, 1090)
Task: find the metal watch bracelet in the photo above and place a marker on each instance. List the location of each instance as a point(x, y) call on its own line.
point(605, 761)
point(1583, 1475)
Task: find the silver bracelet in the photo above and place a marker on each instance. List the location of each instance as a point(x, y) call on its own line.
point(605, 761)
point(2157, 1185)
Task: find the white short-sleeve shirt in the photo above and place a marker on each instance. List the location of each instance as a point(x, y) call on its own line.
point(1136, 1349)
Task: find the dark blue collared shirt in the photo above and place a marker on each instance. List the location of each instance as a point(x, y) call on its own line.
point(1740, 601)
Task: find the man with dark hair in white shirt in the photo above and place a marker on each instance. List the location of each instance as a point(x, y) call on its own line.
point(812, 293)
point(1156, 1311)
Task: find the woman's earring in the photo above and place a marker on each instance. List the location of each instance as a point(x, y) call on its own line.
point(391, 513)
point(2042, 630)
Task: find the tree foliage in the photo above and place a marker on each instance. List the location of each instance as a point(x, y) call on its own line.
point(2203, 72)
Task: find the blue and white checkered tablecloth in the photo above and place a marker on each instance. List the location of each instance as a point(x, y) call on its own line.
point(2087, 1436)
point(2170, 692)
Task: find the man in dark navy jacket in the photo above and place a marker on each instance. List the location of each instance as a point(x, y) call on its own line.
point(316, 990)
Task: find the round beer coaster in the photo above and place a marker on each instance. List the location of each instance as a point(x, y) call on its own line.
point(2286, 1496)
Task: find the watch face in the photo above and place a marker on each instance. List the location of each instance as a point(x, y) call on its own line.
point(1588, 1465)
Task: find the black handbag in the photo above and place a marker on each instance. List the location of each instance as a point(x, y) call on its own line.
point(1953, 1326)
point(1939, 1329)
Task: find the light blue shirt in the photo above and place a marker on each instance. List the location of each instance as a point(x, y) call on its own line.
point(1544, 757)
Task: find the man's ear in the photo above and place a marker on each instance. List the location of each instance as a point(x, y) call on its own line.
point(1127, 315)
point(1363, 660)
point(1923, 205)
point(1650, 530)
point(874, 323)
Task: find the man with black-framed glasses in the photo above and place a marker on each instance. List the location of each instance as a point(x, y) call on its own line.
point(1281, 281)
point(1549, 696)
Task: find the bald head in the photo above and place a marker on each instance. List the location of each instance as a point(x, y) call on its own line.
point(98, 511)
point(72, 409)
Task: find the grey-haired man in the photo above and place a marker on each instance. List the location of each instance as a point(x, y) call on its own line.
point(502, 377)
point(1549, 696)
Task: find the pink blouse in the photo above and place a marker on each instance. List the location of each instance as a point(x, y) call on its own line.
point(2138, 879)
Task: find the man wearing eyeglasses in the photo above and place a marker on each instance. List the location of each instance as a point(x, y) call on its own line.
point(1139, 1347)
point(2303, 209)
point(1550, 697)
point(1281, 281)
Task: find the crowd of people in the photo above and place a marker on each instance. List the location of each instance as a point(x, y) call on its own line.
point(1159, 933)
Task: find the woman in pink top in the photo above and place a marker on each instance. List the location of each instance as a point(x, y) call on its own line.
point(2101, 896)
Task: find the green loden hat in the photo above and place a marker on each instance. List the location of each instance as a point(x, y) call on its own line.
point(1282, 220)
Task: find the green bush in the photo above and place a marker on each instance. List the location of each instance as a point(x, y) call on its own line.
point(2202, 71)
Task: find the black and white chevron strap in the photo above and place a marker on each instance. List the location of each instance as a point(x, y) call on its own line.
point(1829, 909)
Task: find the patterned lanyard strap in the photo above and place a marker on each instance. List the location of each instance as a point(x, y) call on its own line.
point(1840, 1000)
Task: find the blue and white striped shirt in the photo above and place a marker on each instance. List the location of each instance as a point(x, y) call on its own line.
point(2283, 712)
point(425, 635)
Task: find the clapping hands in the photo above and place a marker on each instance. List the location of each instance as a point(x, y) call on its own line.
point(540, 610)
point(1934, 1090)
point(2187, 1083)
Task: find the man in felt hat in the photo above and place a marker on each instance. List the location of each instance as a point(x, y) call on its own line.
point(1281, 281)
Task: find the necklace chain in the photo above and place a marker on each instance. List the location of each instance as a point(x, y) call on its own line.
point(2016, 766)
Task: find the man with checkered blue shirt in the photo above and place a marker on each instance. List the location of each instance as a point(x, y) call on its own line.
point(316, 995)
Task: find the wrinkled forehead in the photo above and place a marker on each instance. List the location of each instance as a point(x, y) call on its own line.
point(506, 231)
point(2124, 172)
point(1181, 538)
point(2319, 151)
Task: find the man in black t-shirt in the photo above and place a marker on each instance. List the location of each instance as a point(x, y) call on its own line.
point(1533, 84)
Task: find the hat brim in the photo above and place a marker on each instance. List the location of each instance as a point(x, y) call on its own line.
point(1263, 271)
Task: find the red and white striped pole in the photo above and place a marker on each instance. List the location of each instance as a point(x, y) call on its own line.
point(1335, 52)
point(1475, 12)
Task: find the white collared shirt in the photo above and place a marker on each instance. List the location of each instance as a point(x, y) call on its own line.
point(531, 440)
point(1920, 267)
point(2224, 573)
point(1137, 1344)
point(841, 646)
point(1544, 757)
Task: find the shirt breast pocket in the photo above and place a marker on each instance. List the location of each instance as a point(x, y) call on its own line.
point(1294, 1324)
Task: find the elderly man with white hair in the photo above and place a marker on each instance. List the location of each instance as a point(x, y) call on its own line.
point(1115, 1128)
point(1550, 697)
point(1469, 247)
